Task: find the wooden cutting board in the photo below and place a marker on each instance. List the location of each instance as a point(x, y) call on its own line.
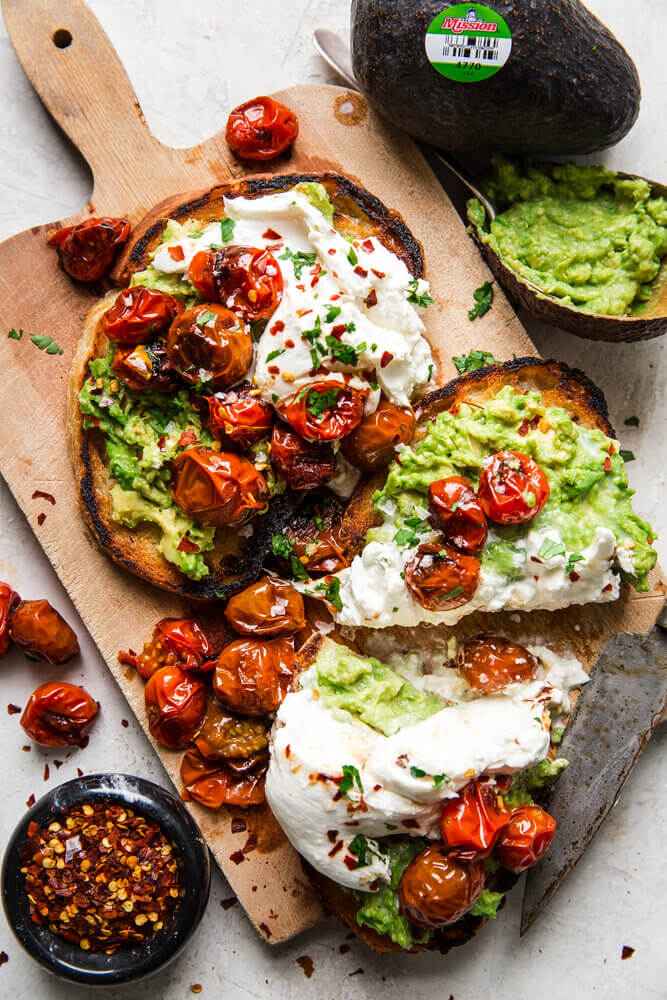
point(85, 88)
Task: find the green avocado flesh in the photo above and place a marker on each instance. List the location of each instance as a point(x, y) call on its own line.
point(370, 691)
point(587, 477)
point(580, 233)
point(141, 434)
point(379, 910)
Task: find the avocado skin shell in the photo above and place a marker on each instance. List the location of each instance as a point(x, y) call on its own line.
point(568, 87)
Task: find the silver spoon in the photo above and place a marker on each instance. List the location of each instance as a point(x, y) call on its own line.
point(336, 52)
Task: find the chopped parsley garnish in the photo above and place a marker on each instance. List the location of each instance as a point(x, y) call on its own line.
point(316, 345)
point(332, 592)
point(483, 297)
point(332, 313)
point(451, 593)
point(275, 354)
point(274, 397)
point(15, 334)
point(422, 299)
point(351, 777)
point(430, 372)
point(345, 353)
point(557, 734)
point(45, 343)
point(627, 456)
point(374, 386)
point(574, 557)
point(196, 234)
point(298, 569)
point(632, 422)
point(471, 362)
point(549, 548)
point(299, 260)
point(352, 257)
point(318, 401)
point(319, 523)
point(226, 230)
point(363, 851)
point(281, 546)
point(417, 772)
point(205, 318)
point(440, 779)
point(408, 535)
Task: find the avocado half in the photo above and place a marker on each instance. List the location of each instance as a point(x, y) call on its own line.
point(567, 87)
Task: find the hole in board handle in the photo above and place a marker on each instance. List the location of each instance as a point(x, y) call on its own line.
point(62, 38)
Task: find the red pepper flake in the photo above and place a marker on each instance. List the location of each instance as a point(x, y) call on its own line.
point(611, 449)
point(239, 825)
point(335, 849)
point(237, 857)
point(367, 245)
point(196, 988)
point(161, 442)
point(277, 327)
point(79, 772)
point(265, 929)
point(176, 253)
point(250, 844)
point(303, 312)
point(371, 298)
point(574, 576)
point(13, 709)
point(343, 949)
point(301, 288)
point(271, 247)
point(410, 824)
point(30, 801)
point(187, 438)
point(271, 234)
point(378, 274)
point(332, 251)
point(26, 748)
point(227, 904)
point(357, 972)
point(4, 957)
point(41, 518)
point(289, 343)
point(338, 330)
point(306, 963)
point(607, 588)
point(334, 298)
point(627, 952)
point(124, 723)
point(607, 464)
point(288, 751)
point(49, 497)
point(186, 545)
point(528, 425)
point(57, 764)
point(47, 773)
point(386, 358)
point(332, 835)
point(84, 743)
point(361, 271)
point(350, 862)
point(273, 370)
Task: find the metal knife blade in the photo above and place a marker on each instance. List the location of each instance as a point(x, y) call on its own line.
point(609, 727)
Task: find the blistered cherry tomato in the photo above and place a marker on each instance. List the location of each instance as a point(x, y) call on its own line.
point(437, 889)
point(302, 464)
point(456, 511)
point(59, 714)
point(219, 488)
point(175, 705)
point(43, 633)
point(374, 442)
point(223, 734)
point(200, 273)
point(261, 129)
point(441, 578)
point(229, 782)
point(144, 367)
point(209, 344)
point(87, 250)
point(267, 607)
point(525, 839)
point(324, 410)
point(472, 821)
point(318, 539)
point(248, 280)
point(239, 416)
point(185, 638)
point(489, 662)
point(512, 488)
point(252, 676)
point(9, 600)
point(139, 314)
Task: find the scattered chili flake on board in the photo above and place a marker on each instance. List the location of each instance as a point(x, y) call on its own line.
point(47, 773)
point(79, 772)
point(196, 988)
point(101, 876)
point(44, 496)
point(13, 709)
point(227, 904)
point(30, 801)
point(306, 963)
point(4, 957)
point(124, 723)
point(627, 952)
point(41, 518)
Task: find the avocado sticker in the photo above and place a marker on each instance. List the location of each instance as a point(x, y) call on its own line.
point(468, 42)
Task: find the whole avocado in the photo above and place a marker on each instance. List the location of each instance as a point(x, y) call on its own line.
point(568, 86)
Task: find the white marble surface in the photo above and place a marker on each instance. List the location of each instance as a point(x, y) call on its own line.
point(189, 65)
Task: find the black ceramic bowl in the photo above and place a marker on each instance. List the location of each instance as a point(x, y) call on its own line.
point(129, 963)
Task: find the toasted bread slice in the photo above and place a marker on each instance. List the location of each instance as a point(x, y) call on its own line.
point(234, 563)
point(559, 384)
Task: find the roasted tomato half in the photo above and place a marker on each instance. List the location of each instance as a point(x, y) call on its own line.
point(200, 273)
point(43, 633)
point(324, 410)
point(9, 600)
point(440, 578)
point(373, 444)
point(87, 250)
point(230, 782)
point(490, 662)
point(139, 314)
point(456, 511)
point(175, 706)
point(302, 464)
point(145, 367)
point(267, 607)
point(525, 839)
point(316, 538)
point(59, 714)
point(175, 642)
point(224, 734)
point(248, 280)
point(437, 889)
point(209, 344)
point(472, 821)
point(239, 417)
point(217, 487)
point(261, 129)
point(252, 676)
point(512, 488)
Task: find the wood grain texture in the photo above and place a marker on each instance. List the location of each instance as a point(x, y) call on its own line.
point(132, 171)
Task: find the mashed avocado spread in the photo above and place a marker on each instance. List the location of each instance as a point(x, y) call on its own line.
point(587, 478)
point(580, 233)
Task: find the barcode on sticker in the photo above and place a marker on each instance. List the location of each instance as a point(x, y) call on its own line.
point(478, 49)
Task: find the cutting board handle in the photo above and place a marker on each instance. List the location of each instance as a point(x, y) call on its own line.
point(75, 70)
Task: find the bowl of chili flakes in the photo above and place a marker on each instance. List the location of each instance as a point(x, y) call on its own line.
point(105, 879)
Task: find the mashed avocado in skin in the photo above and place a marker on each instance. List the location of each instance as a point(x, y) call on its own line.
point(586, 474)
point(580, 233)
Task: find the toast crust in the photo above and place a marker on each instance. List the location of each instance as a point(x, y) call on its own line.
point(234, 565)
